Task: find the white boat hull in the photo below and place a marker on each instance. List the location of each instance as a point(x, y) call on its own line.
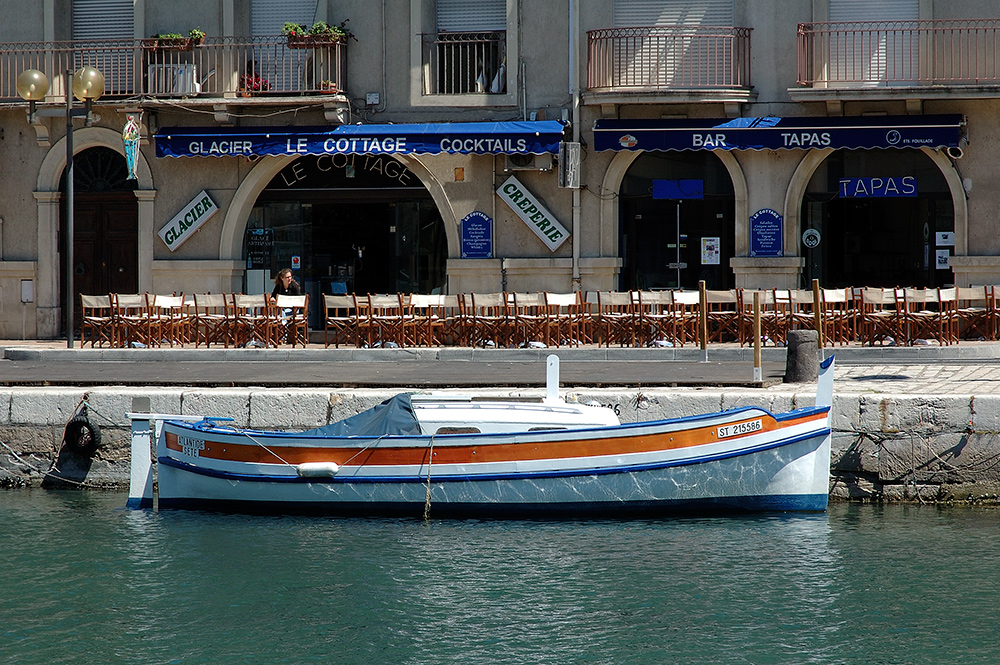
point(702, 463)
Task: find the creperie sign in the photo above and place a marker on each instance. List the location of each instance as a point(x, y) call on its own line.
point(188, 220)
point(533, 213)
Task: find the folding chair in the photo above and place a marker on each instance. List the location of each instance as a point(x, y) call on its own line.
point(878, 319)
point(385, 320)
point(686, 316)
point(291, 319)
point(488, 320)
point(973, 311)
point(615, 321)
point(169, 322)
point(656, 317)
point(210, 325)
point(838, 316)
point(723, 315)
point(96, 325)
point(131, 319)
point(530, 321)
point(564, 313)
point(252, 324)
point(340, 322)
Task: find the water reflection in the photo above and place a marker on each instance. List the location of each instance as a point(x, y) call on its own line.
point(859, 584)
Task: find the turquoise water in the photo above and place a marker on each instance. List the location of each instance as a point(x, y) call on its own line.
point(84, 581)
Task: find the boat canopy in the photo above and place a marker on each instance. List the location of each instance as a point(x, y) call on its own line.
point(390, 418)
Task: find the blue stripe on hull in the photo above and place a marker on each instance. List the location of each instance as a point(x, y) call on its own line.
point(724, 505)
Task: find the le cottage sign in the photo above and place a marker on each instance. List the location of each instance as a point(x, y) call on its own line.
point(533, 213)
point(188, 220)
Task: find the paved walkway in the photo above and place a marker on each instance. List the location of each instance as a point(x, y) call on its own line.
point(968, 368)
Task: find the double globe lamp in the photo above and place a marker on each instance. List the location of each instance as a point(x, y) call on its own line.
point(88, 86)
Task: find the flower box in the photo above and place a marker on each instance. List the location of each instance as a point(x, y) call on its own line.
point(171, 44)
point(313, 41)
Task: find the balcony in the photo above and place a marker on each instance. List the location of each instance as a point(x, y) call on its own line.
point(668, 64)
point(912, 60)
point(224, 68)
point(457, 63)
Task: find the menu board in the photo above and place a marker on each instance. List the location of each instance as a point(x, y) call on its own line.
point(259, 245)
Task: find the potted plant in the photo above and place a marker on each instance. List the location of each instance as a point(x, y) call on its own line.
point(329, 87)
point(197, 36)
point(174, 41)
point(320, 34)
point(251, 83)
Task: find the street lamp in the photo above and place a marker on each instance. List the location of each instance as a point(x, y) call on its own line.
point(87, 85)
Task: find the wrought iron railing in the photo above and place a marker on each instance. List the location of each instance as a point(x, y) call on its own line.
point(666, 57)
point(874, 53)
point(465, 62)
point(154, 68)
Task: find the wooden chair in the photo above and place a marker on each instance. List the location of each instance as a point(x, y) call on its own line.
point(385, 321)
point(252, 323)
point(452, 329)
point(973, 310)
point(340, 325)
point(656, 317)
point(488, 320)
point(131, 319)
point(723, 315)
point(96, 325)
point(838, 314)
point(686, 316)
point(530, 322)
point(564, 312)
point(209, 324)
point(878, 319)
point(169, 320)
point(615, 322)
point(291, 319)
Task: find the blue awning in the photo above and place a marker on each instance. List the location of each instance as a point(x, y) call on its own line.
point(479, 138)
point(770, 133)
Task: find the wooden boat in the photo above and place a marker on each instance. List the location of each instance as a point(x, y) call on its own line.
point(473, 457)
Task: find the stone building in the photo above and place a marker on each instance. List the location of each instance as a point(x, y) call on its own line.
point(486, 145)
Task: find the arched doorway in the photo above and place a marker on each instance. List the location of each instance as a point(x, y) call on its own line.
point(356, 223)
point(884, 218)
point(105, 226)
point(655, 251)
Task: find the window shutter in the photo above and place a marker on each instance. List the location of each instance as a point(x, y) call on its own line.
point(268, 17)
point(103, 19)
point(874, 10)
point(471, 15)
point(633, 13)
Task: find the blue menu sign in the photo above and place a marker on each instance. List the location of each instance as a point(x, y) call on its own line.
point(477, 236)
point(766, 233)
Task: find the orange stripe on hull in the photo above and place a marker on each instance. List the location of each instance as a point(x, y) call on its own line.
point(445, 453)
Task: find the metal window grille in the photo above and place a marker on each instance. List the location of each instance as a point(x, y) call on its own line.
point(465, 62)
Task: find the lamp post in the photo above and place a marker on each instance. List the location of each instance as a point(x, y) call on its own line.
point(87, 85)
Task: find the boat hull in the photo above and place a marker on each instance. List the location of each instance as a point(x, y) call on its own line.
point(740, 460)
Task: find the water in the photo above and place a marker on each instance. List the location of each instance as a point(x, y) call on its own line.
point(83, 580)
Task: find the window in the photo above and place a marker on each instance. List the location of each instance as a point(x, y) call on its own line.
point(467, 52)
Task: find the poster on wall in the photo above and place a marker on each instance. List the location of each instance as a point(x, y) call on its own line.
point(710, 253)
point(477, 236)
point(259, 245)
point(766, 233)
point(943, 261)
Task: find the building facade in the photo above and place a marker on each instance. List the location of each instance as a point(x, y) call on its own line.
point(486, 145)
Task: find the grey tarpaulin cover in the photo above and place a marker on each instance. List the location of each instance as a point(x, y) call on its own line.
point(392, 417)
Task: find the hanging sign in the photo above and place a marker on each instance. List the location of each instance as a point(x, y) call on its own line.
point(533, 213)
point(188, 220)
point(877, 188)
point(477, 236)
point(766, 231)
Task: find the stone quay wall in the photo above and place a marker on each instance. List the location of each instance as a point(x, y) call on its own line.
point(885, 447)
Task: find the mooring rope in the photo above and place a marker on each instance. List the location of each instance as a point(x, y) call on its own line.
point(39, 471)
point(427, 496)
point(286, 463)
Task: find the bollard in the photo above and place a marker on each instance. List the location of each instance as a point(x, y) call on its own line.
point(802, 359)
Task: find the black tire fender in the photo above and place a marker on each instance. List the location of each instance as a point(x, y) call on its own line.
point(83, 435)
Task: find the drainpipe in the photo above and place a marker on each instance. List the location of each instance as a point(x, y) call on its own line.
point(574, 89)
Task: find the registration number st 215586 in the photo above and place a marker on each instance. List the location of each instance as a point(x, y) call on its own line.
point(736, 429)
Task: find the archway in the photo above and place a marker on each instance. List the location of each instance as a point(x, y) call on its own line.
point(672, 243)
point(882, 218)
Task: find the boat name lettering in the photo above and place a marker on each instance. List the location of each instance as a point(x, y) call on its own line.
point(736, 429)
point(191, 446)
